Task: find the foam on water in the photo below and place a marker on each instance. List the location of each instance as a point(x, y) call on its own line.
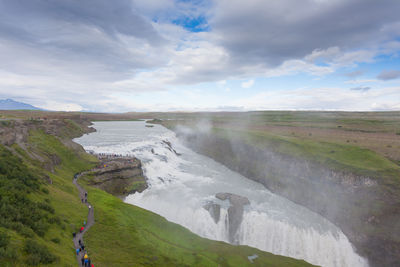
point(181, 185)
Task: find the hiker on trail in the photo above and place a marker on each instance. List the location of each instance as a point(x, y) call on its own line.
point(82, 247)
point(84, 223)
point(82, 200)
point(73, 234)
point(89, 262)
point(90, 207)
point(85, 194)
point(77, 251)
point(79, 241)
point(85, 200)
point(82, 260)
point(82, 228)
point(86, 262)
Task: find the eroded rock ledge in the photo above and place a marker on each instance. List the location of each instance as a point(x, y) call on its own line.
point(119, 176)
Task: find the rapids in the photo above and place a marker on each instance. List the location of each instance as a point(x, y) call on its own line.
point(182, 183)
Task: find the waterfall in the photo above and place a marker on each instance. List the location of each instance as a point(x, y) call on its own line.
point(183, 185)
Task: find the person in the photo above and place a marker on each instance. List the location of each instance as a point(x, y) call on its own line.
point(82, 200)
point(82, 247)
point(82, 228)
point(79, 241)
point(82, 260)
point(90, 207)
point(73, 234)
point(77, 251)
point(86, 256)
point(84, 222)
point(89, 262)
point(86, 262)
point(85, 194)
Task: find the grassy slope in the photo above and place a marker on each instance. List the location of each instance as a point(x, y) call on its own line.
point(124, 235)
point(333, 155)
point(62, 195)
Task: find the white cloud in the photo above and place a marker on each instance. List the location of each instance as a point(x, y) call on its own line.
point(323, 99)
point(247, 84)
point(361, 81)
point(221, 83)
point(52, 105)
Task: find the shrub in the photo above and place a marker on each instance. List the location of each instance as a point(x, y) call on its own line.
point(6, 251)
point(26, 231)
point(54, 220)
point(4, 240)
point(45, 206)
point(38, 253)
point(55, 240)
point(17, 210)
point(45, 190)
point(41, 227)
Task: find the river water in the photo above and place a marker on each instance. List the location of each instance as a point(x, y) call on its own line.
point(181, 184)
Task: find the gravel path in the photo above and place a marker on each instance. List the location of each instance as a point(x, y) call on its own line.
point(89, 220)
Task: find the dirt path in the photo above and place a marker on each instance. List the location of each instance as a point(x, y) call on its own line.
point(89, 220)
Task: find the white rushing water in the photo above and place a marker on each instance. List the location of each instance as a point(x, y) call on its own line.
point(181, 185)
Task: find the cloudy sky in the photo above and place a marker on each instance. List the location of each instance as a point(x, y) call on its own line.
point(166, 55)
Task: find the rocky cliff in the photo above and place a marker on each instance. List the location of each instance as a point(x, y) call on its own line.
point(119, 176)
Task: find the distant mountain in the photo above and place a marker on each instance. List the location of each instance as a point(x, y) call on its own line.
point(10, 104)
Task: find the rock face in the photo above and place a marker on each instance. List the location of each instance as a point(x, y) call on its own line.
point(119, 176)
point(235, 212)
point(214, 210)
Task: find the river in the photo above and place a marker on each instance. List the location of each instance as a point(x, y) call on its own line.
point(182, 183)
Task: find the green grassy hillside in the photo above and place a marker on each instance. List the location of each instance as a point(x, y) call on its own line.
point(40, 209)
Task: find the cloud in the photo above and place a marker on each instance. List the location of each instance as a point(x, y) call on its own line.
point(389, 75)
point(272, 32)
point(95, 53)
point(247, 84)
point(51, 105)
point(323, 98)
point(362, 89)
point(361, 81)
point(354, 74)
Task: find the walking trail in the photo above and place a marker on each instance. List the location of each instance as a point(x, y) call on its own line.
point(89, 221)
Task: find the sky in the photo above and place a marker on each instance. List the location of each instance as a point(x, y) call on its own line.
point(201, 55)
